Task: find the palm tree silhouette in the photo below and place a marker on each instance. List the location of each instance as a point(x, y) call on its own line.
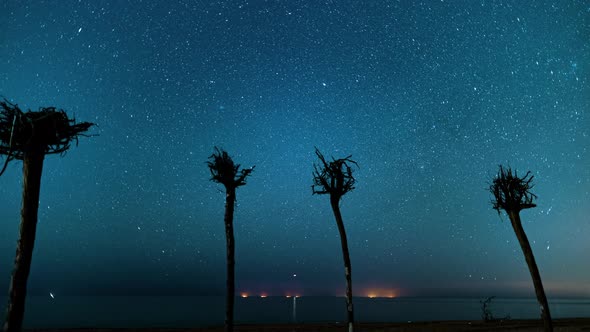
point(224, 171)
point(29, 137)
point(335, 178)
point(512, 194)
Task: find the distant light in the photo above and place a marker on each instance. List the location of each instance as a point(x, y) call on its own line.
point(263, 295)
point(372, 296)
point(288, 296)
point(51, 294)
point(244, 295)
point(294, 274)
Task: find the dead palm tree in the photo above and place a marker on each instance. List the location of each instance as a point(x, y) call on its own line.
point(335, 178)
point(29, 137)
point(224, 171)
point(512, 194)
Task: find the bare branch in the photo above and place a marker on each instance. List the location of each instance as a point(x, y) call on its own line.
point(224, 171)
point(334, 177)
point(49, 129)
point(511, 192)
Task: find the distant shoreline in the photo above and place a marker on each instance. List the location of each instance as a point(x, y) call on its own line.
point(566, 324)
point(445, 297)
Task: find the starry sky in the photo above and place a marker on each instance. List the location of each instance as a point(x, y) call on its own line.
point(428, 97)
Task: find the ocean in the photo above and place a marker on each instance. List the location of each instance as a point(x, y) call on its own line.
point(200, 311)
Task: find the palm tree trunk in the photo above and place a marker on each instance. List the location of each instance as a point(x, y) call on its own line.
point(32, 170)
point(230, 199)
point(347, 266)
point(530, 260)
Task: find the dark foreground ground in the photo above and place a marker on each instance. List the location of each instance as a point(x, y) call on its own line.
point(562, 325)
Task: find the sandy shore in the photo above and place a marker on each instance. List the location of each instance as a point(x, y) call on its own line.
point(569, 325)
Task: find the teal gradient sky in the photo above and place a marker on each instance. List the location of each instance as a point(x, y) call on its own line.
point(428, 97)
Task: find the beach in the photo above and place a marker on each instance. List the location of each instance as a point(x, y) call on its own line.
point(569, 324)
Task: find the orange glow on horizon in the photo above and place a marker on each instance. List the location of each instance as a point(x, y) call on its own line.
point(381, 292)
point(370, 293)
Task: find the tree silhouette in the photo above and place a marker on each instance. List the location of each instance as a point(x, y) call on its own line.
point(335, 178)
point(29, 137)
point(224, 171)
point(512, 194)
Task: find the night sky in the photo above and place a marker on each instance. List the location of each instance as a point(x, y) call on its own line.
point(429, 98)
